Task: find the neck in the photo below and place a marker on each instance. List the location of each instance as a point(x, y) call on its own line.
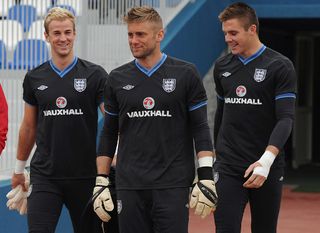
point(253, 49)
point(150, 61)
point(61, 62)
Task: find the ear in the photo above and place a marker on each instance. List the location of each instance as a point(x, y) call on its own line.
point(160, 35)
point(253, 28)
point(47, 37)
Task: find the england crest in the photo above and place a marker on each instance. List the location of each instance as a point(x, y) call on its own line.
point(259, 75)
point(80, 84)
point(169, 85)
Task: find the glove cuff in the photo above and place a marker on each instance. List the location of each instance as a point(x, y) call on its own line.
point(102, 180)
point(205, 173)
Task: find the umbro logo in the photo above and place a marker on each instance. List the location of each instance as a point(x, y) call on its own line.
point(128, 87)
point(42, 87)
point(226, 74)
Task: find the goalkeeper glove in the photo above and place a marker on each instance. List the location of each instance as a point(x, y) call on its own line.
point(102, 201)
point(17, 198)
point(204, 197)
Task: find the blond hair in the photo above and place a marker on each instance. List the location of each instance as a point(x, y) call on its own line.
point(58, 13)
point(143, 14)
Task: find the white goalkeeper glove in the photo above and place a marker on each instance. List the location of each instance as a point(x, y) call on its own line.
point(102, 201)
point(17, 198)
point(204, 197)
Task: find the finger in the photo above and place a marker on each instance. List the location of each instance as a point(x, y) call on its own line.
point(23, 208)
point(199, 208)
point(206, 211)
point(13, 192)
point(250, 179)
point(193, 201)
point(249, 170)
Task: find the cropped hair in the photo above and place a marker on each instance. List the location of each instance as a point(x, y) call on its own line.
point(58, 13)
point(242, 11)
point(143, 14)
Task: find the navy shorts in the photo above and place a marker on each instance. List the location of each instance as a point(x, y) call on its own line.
point(153, 211)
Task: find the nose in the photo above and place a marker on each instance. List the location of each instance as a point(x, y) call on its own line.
point(63, 37)
point(227, 38)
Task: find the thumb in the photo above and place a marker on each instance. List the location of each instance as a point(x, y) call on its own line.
point(194, 197)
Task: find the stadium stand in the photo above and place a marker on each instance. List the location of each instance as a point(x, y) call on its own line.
point(11, 33)
point(24, 14)
point(4, 6)
point(29, 53)
point(36, 30)
point(41, 6)
point(68, 7)
point(73, 4)
point(3, 55)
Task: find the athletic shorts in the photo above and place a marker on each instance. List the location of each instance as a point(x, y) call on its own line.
point(153, 211)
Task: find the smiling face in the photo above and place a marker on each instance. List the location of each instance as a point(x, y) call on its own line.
point(239, 39)
point(144, 39)
point(61, 36)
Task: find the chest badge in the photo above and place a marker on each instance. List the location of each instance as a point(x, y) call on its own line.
point(169, 85)
point(80, 84)
point(259, 75)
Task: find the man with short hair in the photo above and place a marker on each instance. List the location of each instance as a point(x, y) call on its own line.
point(157, 104)
point(60, 115)
point(255, 88)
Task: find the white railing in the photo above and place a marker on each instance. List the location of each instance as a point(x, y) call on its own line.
point(101, 38)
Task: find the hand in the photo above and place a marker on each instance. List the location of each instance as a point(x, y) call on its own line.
point(17, 197)
point(102, 201)
point(260, 171)
point(204, 197)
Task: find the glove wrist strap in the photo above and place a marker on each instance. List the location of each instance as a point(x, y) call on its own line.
point(205, 173)
point(103, 175)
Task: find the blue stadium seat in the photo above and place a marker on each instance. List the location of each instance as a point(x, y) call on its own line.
point(68, 7)
point(3, 55)
point(29, 53)
point(24, 14)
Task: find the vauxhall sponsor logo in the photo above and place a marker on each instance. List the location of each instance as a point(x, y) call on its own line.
point(149, 103)
point(61, 103)
point(241, 91)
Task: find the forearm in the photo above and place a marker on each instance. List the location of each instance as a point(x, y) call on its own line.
point(103, 164)
point(27, 136)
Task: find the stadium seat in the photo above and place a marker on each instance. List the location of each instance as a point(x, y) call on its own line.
point(3, 55)
point(68, 7)
point(10, 33)
point(25, 14)
point(75, 4)
point(41, 6)
point(36, 30)
point(29, 53)
point(4, 6)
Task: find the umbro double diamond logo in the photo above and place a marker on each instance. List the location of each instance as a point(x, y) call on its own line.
point(42, 87)
point(128, 87)
point(226, 74)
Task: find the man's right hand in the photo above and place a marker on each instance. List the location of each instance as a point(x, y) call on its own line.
point(102, 201)
point(18, 179)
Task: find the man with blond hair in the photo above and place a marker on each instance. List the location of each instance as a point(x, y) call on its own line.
point(60, 115)
point(157, 106)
